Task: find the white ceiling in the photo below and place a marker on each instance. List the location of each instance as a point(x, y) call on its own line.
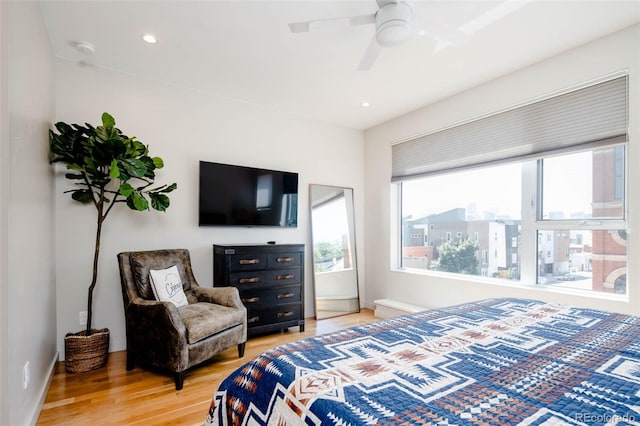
point(244, 50)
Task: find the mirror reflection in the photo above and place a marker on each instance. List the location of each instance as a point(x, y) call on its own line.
point(335, 274)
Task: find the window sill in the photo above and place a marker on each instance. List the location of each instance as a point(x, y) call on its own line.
point(512, 284)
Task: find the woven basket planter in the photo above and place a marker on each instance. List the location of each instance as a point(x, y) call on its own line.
point(86, 353)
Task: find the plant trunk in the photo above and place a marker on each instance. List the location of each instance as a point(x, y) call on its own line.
point(94, 278)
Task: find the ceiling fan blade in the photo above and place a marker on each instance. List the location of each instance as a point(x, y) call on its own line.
point(370, 56)
point(492, 15)
point(363, 19)
point(443, 33)
point(333, 23)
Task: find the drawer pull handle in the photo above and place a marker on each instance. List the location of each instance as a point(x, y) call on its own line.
point(285, 314)
point(284, 259)
point(284, 296)
point(249, 261)
point(249, 280)
point(253, 319)
point(285, 277)
point(251, 300)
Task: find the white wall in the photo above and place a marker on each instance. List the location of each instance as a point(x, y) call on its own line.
point(4, 213)
point(183, 127)
point(27, 194)
point(586, 63)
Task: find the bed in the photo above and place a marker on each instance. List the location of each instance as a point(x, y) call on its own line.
point(492, 362)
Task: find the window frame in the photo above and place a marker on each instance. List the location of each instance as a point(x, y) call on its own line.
point(532, 223)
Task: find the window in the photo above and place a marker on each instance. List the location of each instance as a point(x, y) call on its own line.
point(490, 212)
point(550, 173)
point(583, 185)
point(583, 202)
point(618, 174)
point(574, 236)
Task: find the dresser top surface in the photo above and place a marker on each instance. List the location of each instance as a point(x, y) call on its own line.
point(264, 248)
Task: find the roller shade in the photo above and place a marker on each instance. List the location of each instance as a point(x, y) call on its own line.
point(594, 115)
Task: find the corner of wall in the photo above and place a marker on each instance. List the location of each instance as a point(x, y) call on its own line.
point(35, 411)
point(4, 183)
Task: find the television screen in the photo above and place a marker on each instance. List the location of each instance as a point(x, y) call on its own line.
point(246, 196)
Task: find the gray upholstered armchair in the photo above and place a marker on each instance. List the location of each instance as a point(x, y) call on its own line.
point(159, 333)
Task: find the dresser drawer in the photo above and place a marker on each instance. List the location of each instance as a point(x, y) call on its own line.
point(248, 262)
point(257, 317)
point(271, 296)
point(284, 260)
point(265, 278)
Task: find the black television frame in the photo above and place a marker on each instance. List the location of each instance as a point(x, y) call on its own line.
point(242, 196)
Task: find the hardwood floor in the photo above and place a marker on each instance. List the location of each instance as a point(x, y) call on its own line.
point(111, 395)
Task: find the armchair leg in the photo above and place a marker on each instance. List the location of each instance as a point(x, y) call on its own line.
point(179, 379)
point(131, 360)
point(241, 350)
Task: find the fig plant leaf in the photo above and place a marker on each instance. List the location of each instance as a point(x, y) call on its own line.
point(103, 163)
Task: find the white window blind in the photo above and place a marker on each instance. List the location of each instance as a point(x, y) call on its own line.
point(594, 115)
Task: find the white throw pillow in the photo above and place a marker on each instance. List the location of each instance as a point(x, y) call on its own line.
point(167, 286)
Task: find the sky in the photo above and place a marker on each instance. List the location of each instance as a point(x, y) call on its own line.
point(567, 188)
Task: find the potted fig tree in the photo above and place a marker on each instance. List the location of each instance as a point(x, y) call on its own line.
point(107, 168)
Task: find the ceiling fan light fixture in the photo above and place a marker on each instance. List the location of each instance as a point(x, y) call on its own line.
point(393, 23)
point(393, 34)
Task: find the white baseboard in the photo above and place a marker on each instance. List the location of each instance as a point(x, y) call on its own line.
point(43, 391)
point(388, 308)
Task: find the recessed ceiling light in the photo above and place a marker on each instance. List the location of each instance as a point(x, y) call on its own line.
point(365, 105)
point(150, 38)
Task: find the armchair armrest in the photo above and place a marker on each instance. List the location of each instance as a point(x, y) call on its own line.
point(157, 327)
point(161, 315)
point(226, 296)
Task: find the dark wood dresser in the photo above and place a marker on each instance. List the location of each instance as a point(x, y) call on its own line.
point(270, 279)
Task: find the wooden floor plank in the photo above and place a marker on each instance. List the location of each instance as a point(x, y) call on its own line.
point(111, 395)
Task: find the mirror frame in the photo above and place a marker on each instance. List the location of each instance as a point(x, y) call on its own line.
point(354, 255)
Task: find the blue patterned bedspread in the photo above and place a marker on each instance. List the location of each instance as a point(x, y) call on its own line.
point(494, 362)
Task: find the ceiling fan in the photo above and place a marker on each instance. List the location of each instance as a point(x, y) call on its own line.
point(393, 26)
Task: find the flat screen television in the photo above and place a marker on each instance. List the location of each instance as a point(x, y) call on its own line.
point(232, 195)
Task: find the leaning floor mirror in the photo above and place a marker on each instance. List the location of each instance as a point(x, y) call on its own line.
point(335, 273)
